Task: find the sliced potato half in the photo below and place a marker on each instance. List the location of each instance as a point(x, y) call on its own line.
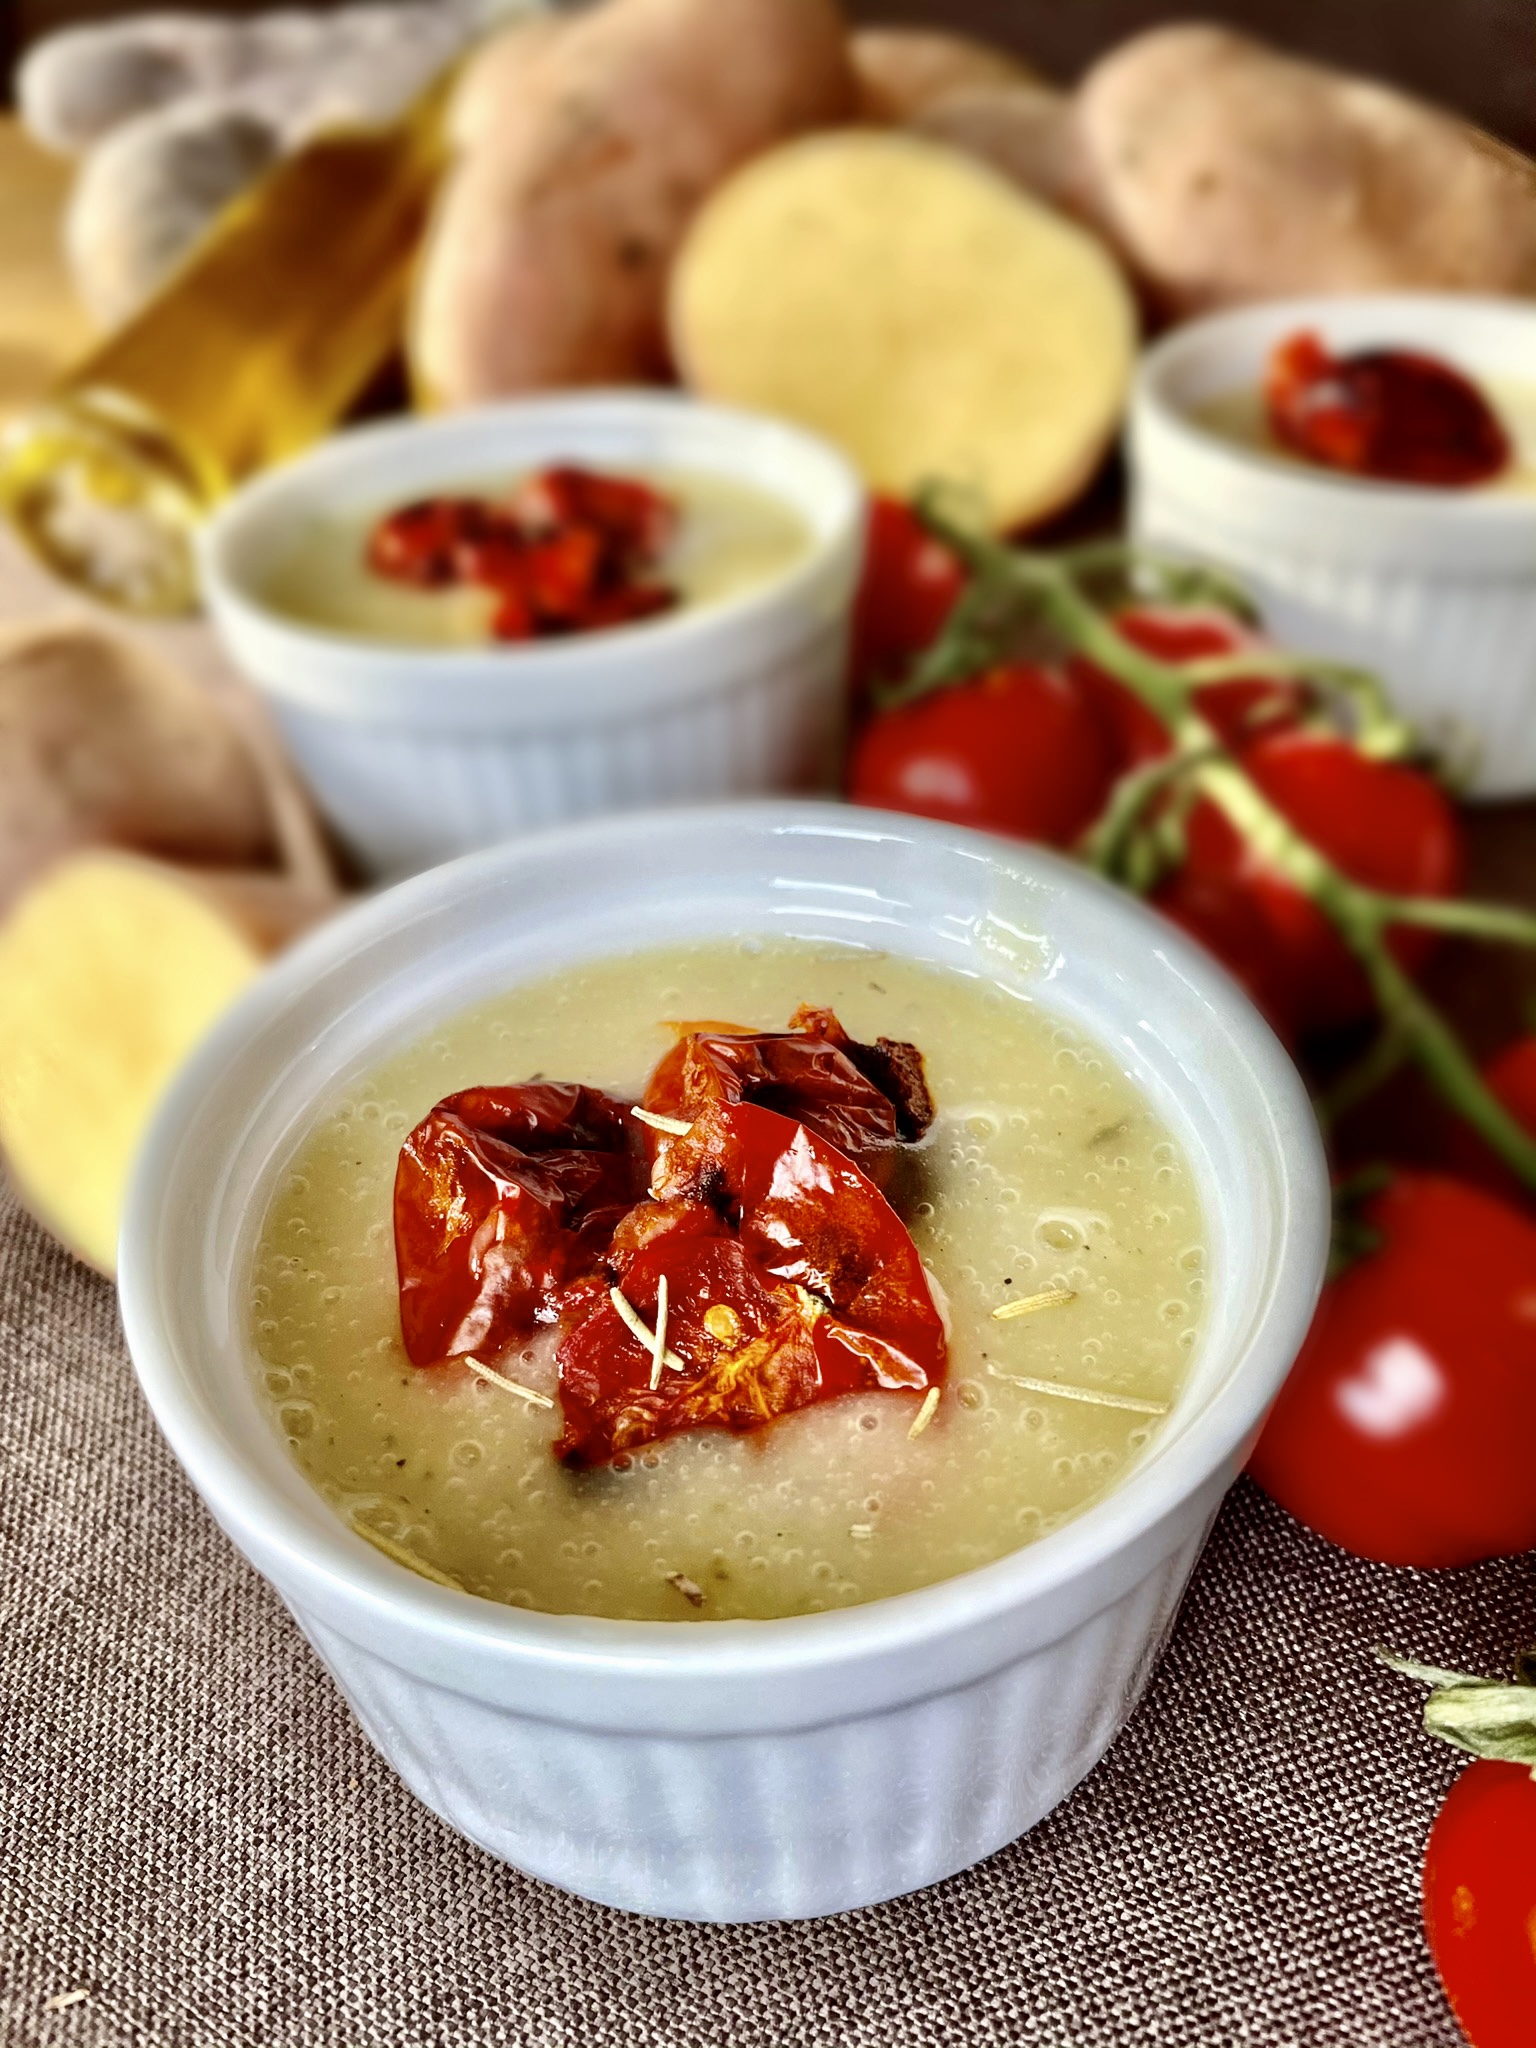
point(916, 309)
point(111, 970)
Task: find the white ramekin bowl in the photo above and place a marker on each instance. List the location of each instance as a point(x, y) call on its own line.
point(418, 754)
point(1433, 589)
point(734, 1770)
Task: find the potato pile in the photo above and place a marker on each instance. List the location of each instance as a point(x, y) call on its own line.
point(908, 240)
point(152, 856)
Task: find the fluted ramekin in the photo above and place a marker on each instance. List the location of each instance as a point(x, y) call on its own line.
point(418, 754)
point(734, 1770)
point(1433, 589)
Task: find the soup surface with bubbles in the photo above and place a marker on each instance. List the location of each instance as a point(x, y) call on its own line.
point(1045, 1171)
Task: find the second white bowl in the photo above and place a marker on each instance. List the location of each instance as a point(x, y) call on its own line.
point(1435, 590)
point(417, 754)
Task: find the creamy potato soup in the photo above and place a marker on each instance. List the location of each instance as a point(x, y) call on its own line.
point(1044, 1174)
point(729, 538)
point(1240, 416)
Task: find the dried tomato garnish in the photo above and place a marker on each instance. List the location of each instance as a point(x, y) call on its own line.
point(1387, 413)
point(571, 552)
point(790, 1280)
point(865, 1099)
point(635, 521)
point(502, 1196)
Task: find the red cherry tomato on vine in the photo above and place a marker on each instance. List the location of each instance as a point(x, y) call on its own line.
point(1241, 710)
point(1405, 1430)
point(907, 591)
point(1381, 823)
point(1017, 751)
point(1511, 1076)
point(1480, 1902)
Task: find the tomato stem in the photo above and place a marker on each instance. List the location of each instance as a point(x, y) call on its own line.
point(1045, 590)
point(1385, 1056)
point(1477, 920)
point(1378, 731)
point(1489, 1717)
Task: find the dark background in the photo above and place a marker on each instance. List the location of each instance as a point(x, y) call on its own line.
point(1475, 55)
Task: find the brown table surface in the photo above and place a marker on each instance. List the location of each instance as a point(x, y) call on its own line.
point(194, 1833)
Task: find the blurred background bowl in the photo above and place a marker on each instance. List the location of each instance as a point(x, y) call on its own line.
point(1433, 589)
point(416, 754)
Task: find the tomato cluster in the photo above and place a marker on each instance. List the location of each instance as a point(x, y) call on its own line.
point(1404, 1432)
point(1034, 751)
point(738, 1227)
point(570, 551)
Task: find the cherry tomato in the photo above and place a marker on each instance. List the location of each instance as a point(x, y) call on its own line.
point(1387, 413)
point(1512, 1078)
point(1383, 824)
point(908, 589)
point(1241, 710)
point(1480, 1902)
point(1017, 751)
point(1404, 1432)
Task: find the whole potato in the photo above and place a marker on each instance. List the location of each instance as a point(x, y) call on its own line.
point(547, 262)
point(102, 743)
point(1225, 172)
point(1023, 130)
point(900, 71)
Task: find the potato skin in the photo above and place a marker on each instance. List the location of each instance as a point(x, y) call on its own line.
point(102, 743)
point(1023, 131)
point(547, 263)
point(899, 72)
point(1225, 172)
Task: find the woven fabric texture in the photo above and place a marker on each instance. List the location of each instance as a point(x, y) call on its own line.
point(194, 1832)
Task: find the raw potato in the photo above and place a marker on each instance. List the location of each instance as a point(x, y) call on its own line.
point(900, 71)
point(77, 85)
point(111, 970)
point(177, 114)
point(1023, 131)
point(547, 261)
point(101, 741)
point(914, 308)
point(1226, 172)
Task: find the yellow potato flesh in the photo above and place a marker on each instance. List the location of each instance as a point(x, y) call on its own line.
point(111, 970)
point(917, 310)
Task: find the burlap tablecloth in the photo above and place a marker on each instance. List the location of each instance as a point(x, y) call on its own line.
point(193, 1831)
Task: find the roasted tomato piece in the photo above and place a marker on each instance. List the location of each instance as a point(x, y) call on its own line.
point(626, 604)
point(635, 521)
point(864, 1099)
point(502, 1197)
point(746, 1345)
point(790, 1280)
point(424, 543)
point(568, 553)
point(1387, 413)
point(806, 1214)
